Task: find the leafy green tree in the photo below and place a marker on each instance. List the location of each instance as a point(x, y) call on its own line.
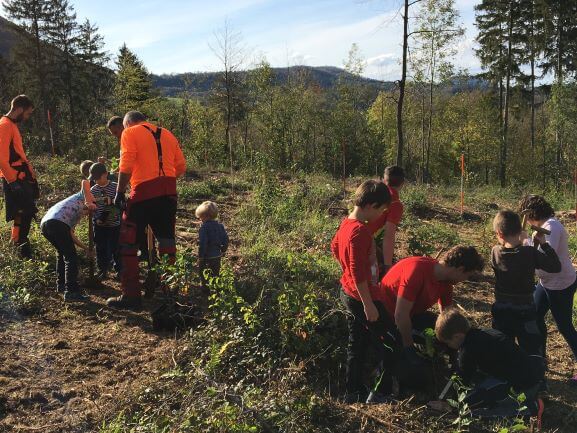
point(438, 30)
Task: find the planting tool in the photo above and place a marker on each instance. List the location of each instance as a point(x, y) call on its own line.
point(51, 134)
point(91, 281)
point(151, 281)
point(541, 230)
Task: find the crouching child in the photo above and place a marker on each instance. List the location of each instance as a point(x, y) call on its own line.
point(58, 228)
point(491, 365)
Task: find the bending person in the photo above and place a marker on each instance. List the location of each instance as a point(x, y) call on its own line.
point(150, 160)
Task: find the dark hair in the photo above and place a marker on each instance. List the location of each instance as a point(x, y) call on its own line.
point(507, 223)
point(372, 192)
point(465, 256)
point(85, 167)
point(21, 101)
point(536, 208)
point(394, 175)
point(114, 121)
point(449, 323)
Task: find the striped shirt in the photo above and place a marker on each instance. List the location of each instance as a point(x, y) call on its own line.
point(106, 212)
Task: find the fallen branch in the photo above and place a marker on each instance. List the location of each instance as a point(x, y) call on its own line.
point(377, 420)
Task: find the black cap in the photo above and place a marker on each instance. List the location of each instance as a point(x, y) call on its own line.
point(96, 171)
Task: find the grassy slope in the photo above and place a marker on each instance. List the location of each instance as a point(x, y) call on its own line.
point(270, 357)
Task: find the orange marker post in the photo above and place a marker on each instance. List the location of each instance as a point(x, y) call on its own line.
point(462, 183)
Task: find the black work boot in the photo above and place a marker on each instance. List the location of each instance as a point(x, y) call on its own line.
point(124, 302)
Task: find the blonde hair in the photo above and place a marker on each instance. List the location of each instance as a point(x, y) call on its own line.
point(207, 209)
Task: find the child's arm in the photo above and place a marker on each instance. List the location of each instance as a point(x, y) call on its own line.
point(202, 242)
point(88, 196)
point(77, 241)
point(389, 244)
point(225, 240)
point(371, 311)
point(547, 259)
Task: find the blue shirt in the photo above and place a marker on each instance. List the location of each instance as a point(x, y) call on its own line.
point(212, 240)
point(69, 210)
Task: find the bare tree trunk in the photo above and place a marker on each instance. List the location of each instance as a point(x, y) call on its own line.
point(503, 171)
point(400, 136)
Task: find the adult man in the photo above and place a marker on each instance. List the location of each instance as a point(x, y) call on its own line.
point(151, 160)
point(18, 177)
point(115, 126)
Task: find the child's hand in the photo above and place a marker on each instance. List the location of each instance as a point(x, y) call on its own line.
point(371, 312)
point(90, 205)
point(538, 239)
point(523, 236)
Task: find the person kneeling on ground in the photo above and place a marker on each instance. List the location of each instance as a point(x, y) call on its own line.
point(415, 284)
point(491, 363)
point(351, 247)
point(212, 242)
point(58, 227)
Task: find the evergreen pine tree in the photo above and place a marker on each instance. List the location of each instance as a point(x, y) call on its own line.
point(132, 84)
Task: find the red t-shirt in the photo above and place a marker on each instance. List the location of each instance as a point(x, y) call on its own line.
point(351, 247)
point(414, 279)
point(393, 214)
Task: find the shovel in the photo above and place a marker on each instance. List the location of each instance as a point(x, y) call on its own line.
point(152, 281)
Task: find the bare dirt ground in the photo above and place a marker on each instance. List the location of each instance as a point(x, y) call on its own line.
point(70, 367)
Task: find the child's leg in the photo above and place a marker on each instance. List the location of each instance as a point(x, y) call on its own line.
point(542, 305)
point(61, 272)
point(487, 393)
point(503, 320)
point(357, 344)
point(214, 265)
point(530, 339)
point(562, 310)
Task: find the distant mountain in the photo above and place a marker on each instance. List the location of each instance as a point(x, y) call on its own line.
point(10, 33)
point(200, 83)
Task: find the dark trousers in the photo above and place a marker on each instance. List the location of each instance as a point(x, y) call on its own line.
point(362, 335)
point(560, 302)
point(212, 264)
point(519, 322)
point(58, 234)
point(21, 210)
point(106, 242)
point(160, 214)
point(383, 336)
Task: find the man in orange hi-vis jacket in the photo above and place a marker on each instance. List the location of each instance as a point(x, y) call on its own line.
point(150, 160)
point(18, 176)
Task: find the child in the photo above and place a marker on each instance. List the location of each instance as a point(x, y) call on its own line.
point(386, 224)
point(106, 220)
point(555, 292)
point(85, 184)
point(492, 364)
point(514, 264)
point(58, 227)
point(352, 247)
point(212, 241)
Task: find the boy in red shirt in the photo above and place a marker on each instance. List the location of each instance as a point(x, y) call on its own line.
point(385, 226)
point(352, 246)
point(415, 284)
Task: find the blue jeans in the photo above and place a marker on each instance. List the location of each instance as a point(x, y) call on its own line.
point(560, 302)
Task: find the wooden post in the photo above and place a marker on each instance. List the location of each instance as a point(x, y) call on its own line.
point(462, 183)
point(51, 135)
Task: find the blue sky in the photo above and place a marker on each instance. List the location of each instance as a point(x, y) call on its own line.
point(174, 35)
